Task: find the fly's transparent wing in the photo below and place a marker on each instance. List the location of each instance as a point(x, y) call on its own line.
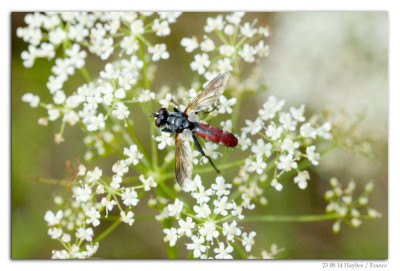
point(209, 94)
point(183, 160)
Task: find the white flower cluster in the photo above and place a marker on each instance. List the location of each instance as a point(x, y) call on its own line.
point(97, 31)
point(72, 32)
point(345, 206)
point(285, 139)
point(210, 223)
point(93, 198)
point(231, 41)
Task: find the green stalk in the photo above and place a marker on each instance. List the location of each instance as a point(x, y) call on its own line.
point(85, 74)
point(290, 218)
point(172, 251)
point(107, 231)
point(239, 250)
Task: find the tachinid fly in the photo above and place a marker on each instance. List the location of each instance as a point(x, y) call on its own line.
point(182, 125)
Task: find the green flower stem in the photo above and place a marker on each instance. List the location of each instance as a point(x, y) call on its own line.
point(53, 181)
point(236, 110)
point(107, 231)
point(237, 248)
point(132, 132)
point(290, 218)
point(62, 127)
point(154, 151)
point(166, 189)
point(171, 251)
point(85, 74)
point(221, 36)
point(146, 85)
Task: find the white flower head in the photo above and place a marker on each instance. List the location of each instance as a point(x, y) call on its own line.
point(248, 240)
point(222, 252)
point(200, 63)
point(148, 183)
point(146, 96)
point(159, 51)
point(253, 127)
point(84, 234)
point(171, 236)
point(53, 219)
point(301, 179)
point(161, 28)
point(202, 210)
point(33, 100)
point(312, 155)
point(186, 226)
point(93, 216)
point(209, 231)
point(120, 168)
point(137, 27)
point(226, 50)
point(231, 230)
point(121, 111)
point(127, 218)
point(286, 162)
point(248, 30)
point(248, 53)
point(165, 139)
point(190, 44)
point(176, 208)
point(83, 193)
point(207, 45)
point(55, 233)
point(134, 156)
point(262, 148)
point(214, 24)
point(129, 197)
point(197, 245)
point(220, 187)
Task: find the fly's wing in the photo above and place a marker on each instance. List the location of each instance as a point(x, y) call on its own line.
point(209, 95)
point(183, 160)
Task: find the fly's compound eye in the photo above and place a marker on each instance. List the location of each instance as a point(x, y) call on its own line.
point(161, 117)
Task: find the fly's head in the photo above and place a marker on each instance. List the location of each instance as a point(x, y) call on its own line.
point(161, 117)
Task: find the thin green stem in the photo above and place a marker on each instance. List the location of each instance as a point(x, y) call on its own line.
point(85, 74)
point(239, 250)
point(221, 36)
point(107, 231)
point(132, 132)
point(53, 181)
point(291, 218)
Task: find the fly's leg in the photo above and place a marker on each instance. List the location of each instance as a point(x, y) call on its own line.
point(197, 143)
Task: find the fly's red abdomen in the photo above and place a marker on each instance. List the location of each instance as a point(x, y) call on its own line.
point(216, 135)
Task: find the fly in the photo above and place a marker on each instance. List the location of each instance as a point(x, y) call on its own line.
point(183, 124)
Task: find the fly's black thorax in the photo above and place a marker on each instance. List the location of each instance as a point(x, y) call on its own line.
point(177, 122)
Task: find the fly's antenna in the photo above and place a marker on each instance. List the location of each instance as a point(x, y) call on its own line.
point(151, 113)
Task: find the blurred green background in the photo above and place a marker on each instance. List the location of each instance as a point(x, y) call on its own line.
point(318, 59)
